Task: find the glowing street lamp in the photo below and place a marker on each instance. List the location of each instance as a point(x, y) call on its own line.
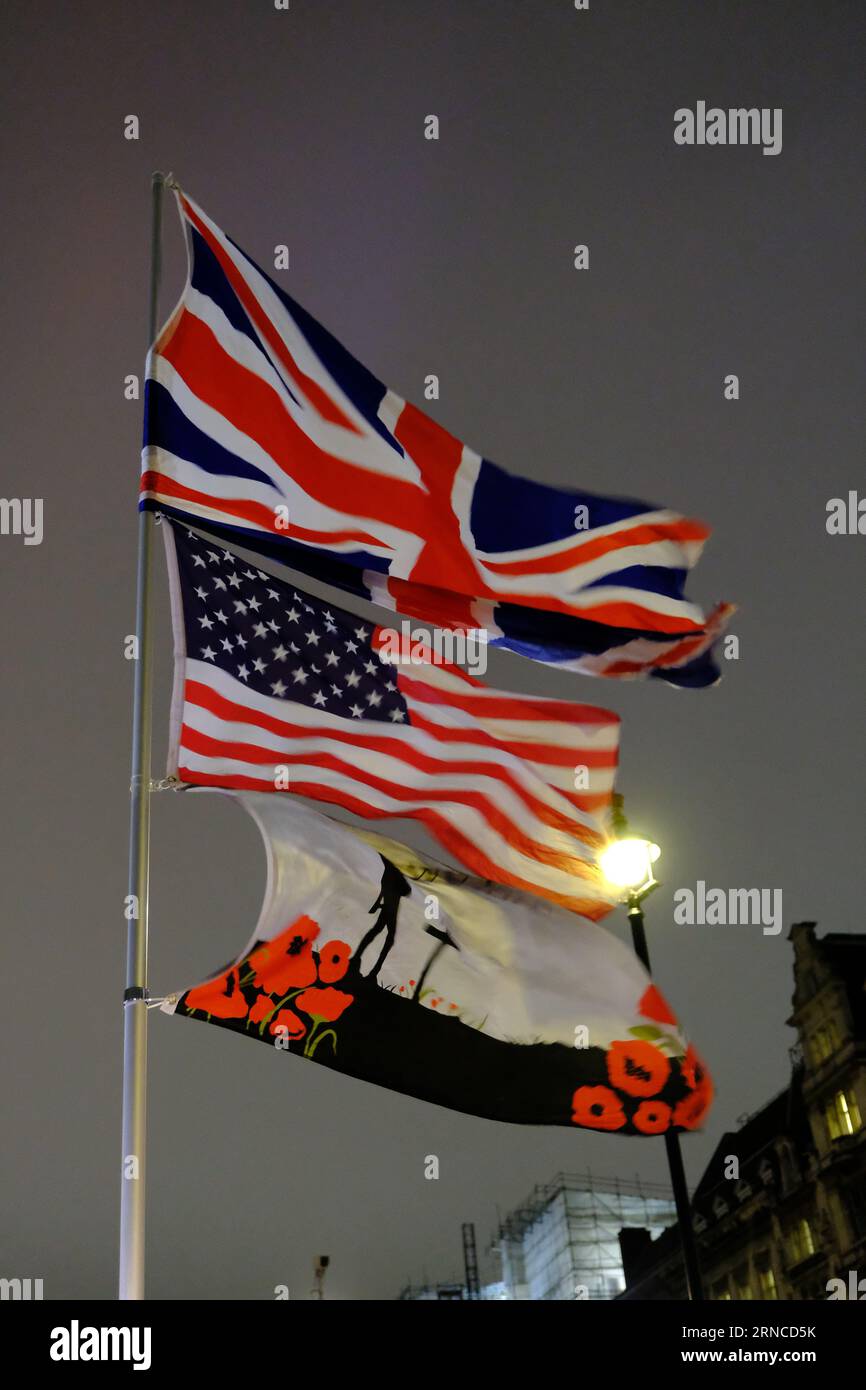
point(627, 863)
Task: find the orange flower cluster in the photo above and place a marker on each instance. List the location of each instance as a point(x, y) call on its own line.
point(638, 1069)
point(286, 966)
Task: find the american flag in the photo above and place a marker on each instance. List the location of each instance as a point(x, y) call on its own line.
point(260, 426)
point(276, 690)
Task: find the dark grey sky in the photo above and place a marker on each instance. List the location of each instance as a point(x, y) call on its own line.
point(453, 257)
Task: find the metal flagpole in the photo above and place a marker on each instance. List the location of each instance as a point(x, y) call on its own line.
point(132, 1182)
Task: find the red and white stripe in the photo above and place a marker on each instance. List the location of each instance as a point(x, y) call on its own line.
point(499, 813)
point(572, 747)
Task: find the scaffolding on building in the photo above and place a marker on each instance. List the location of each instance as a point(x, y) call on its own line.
point(562, 1242)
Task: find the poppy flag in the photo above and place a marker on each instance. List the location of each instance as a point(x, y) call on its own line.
point(276, 690)
point(372, 960)
point(260, 426)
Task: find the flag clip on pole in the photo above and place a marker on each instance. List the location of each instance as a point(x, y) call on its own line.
point(132, 1181)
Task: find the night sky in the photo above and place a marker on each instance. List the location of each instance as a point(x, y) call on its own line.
point(452, 257)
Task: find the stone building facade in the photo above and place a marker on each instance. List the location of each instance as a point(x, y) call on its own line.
point(781, 1208)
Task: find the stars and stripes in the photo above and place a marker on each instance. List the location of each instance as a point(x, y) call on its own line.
point(260, 426)
point(278, 690)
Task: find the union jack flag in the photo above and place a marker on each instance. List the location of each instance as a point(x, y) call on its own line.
point(277, 691)
point(262, 427)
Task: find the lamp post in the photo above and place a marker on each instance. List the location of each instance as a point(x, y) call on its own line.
point(627, 863)
point(320, 1265)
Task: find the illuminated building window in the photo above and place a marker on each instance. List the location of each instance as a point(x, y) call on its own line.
point(800, 1242)
point(766, 1283)
point(824, 1042)
point(842, 1115)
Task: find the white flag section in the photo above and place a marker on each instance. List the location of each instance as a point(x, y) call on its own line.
point(380, 964)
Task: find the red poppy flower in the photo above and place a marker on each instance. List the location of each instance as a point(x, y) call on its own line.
point(652, 1117)
point(637, 1068)
point(334, 961)
point(692, 1069)
point(690, 1111)
point(263, 1006)
point(287, 962)
point(221, 997)
point(287, 1024)
point(654, 1005)
point(596, 1107)
point(323, 1003)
